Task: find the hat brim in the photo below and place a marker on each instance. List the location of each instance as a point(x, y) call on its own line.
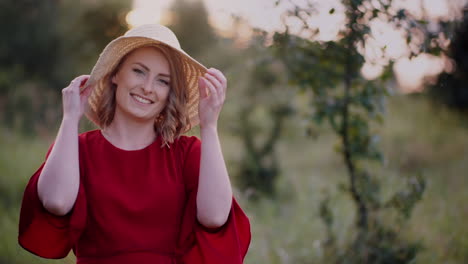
point(118, 48)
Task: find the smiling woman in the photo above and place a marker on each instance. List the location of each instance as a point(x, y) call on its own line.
point(142, 86)
point(137, 190)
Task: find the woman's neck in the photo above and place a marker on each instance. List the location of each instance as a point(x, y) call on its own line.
point(130, 134)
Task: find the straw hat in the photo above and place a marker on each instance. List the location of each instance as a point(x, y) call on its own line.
point(146, 35)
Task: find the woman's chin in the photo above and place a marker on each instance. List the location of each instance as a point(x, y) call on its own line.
point(141, 117)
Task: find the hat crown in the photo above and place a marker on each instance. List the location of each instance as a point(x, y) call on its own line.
point(156, 32)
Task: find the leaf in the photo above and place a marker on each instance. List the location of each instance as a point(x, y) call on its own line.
point(379, 119)
point(375, 13)
point(405, 200)
point(401, 14)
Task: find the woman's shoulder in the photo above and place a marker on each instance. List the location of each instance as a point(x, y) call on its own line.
point(184, 139)
point(184, 144)
point(89, 136)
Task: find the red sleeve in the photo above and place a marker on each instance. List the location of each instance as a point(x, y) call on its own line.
point(227, 244)
point(45, 234)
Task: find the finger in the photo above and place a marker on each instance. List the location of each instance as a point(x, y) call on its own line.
point(216, 83)
point(83, 80)
point(202, 87)
point(218, 75)
point(83, 77)
point(79, 81)
point(72, 84)
point(221, 78)
point(210, 86)
point(86, 91)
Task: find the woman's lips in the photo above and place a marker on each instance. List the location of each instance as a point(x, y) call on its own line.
point(141, 99)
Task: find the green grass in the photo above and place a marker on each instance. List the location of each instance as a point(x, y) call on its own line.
point(416, 138)
point(434, 142)
point(19, 158)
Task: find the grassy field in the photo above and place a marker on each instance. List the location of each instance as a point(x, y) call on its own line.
point(416, 138)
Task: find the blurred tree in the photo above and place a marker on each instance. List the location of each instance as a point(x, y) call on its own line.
point(53, 42)
point(87, 28)
point(31, 41)
point(451, 88)
point(262, 113)
point(27, 51)
point(351, 105)
point(189, 21)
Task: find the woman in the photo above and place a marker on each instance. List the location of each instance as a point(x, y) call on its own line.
point(137, 191)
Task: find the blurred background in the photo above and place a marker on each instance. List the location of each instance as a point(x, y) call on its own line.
point(344, 129)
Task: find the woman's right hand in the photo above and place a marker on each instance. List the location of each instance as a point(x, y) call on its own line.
point(74, 101)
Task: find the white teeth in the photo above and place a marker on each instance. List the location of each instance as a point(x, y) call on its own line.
point(141, 99)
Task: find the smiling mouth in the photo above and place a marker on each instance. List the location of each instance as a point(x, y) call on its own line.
point(141, 99)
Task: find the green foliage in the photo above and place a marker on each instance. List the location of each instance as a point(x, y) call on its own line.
point(451, 88)
point(405, 200)
point(18, 60)
point(53, 42)
point(36, 28)
point(381, 245)
point(259, 166)
point(85, 29)
point(189, 21)
point(415, 138)
point(352, 106)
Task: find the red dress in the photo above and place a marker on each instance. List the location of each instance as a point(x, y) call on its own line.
point(133, 207)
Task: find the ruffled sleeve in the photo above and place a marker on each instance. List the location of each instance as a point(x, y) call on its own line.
point(45, 234)
point(227, 244)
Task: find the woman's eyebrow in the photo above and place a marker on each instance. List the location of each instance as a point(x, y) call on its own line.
point(142, 65)
point(147, 69)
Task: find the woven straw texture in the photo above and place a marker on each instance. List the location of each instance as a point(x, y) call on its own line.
point(147, 35)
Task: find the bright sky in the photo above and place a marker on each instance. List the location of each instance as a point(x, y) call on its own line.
point(264, 14)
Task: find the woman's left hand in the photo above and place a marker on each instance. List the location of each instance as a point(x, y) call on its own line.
point(212, 88)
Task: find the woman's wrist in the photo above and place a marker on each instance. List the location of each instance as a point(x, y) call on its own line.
point(71, 120)
point(208, 130)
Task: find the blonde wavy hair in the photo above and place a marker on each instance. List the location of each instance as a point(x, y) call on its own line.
point(173, 120)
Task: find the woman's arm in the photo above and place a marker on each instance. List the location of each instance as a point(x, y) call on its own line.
point(214, 195)
point(60, 178)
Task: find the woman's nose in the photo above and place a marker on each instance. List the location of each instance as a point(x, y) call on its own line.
point(147, 87)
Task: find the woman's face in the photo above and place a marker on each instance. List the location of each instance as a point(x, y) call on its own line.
point(143, 85)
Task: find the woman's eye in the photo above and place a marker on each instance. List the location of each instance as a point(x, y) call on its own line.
point(138, 71)
point(164, 82)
